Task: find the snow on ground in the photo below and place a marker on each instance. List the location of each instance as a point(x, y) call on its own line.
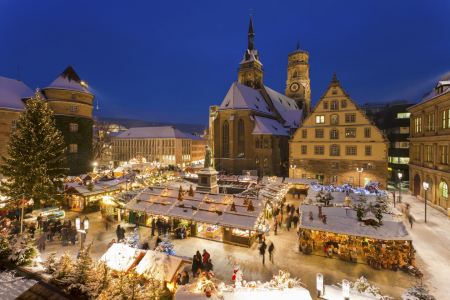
point(12, 287)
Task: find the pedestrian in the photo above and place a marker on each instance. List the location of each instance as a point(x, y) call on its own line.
point(158, 226)
point(53, 232)
point(41, 243)
point(260, 234)
point(145, 246)
point(153, 226)
point(293, 193)
point(275, 225)
point(205, 256)
point(262, 250)
point(267, 224)
point(292, 210)
point(288, 209)
point(64, 236)
point(118, 232)
point(158, 240)
point(411, 220)
point(288, 222)
point(207, 267)
point(196, 263)
point(32, 229)
point(298, 193)
point(39, 221)
point(73, 235)
point(295, 219)
point(184, 278)
point(69, 225)
point(271, 248)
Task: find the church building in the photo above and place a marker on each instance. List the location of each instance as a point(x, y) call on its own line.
point(253, 125)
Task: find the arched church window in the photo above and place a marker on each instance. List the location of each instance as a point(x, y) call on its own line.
point(266, 143)
point(266, 162)
point(257, 161)
point(225, 139)
point(241, 139)
point(257, 143)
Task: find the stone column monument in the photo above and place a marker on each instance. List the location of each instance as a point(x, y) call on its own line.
point(207, 177)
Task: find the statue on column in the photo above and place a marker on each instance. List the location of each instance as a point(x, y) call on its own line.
point(207, 163)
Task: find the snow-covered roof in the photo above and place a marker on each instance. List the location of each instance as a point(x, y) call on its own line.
point(280, 101)
point(268, 126)
point(240, 96)
point(120, 257)
point(69, 80)
point(153, 260)
point(193, 136)
point(341, 222)
point(168, 132)
point(251, 55)
point(293, 118)
point(12, 92)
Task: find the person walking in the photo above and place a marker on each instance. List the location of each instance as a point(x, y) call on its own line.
point(159, 226)
point(52, 232)
point(153, 226)
point(271, 248)
point(295, 219)
point(207, 266)
point(205, 257)
point(39, 221)
point(196, 263)
point(32, 229)
point(41, 243)
point(288, 222)
point(69, 225)
point(292, 210)
point(267, 224)
point(73, 235)
point(260, 234)
point(288, 209)
point(275, 225)
point(118, 231)
point(262, 250)
point(411, 220)
point(64, 236)
point(158, 240)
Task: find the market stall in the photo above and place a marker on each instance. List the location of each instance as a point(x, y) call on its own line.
point(111, 209)
point(122, 258)
point(49, 214)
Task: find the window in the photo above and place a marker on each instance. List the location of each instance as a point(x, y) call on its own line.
point(325, 105)
point(320, 119)
point(444, 190)
point(418, 124)
point(257, 143)
point(304, 149)
point(257, 161)
point(225, 140)
point(335, 178)
point(350, 118)
point(335, 165)
point(334, 150)
point(430, 122)
point(266, 162)
point(73, 96)
point(444, 155)
point(367, 132)
point(318, 150)
point(295, 74)
point(304, 133)
point(368, 166)
point(73, 127)
point(350, 150)
point(319, 133)
point(241, 139)
point(350, 132)
point(403, 115)
point(266, 143)
point(303, 176)
point(403, 160)
point(429, 153)
point(368, 150)
point(334, 105)
point(334, 134)
point(334, 119)
point(430, 185)
point(73, 148)
point(74, 108)
point(334, 92)
point(343, 103)
point(351, 180)
point(417, 152)
point(444, 119)
point(13, 125)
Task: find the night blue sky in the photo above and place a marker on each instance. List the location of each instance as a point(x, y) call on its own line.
point(168, 61)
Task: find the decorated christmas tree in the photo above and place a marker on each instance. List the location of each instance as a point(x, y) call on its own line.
point(64, 270)
point(246, 200)
point(233, 207)
point(23, 250)
point(101, 278)
point(379, 215)
point(250, 208)
point(191, 191)
point(5, 247)
point(80, 276)
point(91, 186)
point(51, 264)
point(417, 292)
point(133, 241)
point(36, 156)
point(166, 246)
point(181, 194)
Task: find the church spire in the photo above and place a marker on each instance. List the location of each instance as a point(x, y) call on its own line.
point(251, 36)
point(298, 44)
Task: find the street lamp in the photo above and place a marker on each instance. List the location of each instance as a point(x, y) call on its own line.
point(357, 170)
point(86, 224)
point(425, 187)
point(77, 223)
point(293, 169)
point(346, 289)
point(400, 186)
point(320, 287)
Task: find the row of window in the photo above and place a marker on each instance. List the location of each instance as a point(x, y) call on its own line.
point(335, 165)
point(334, 104)
point(428, 154)
point(265, 161)
point(430, 121)
point(334, 133)
point(399, 160)
point(336, 149)
point(334, 178)
point(443, 188)
point(334, 119)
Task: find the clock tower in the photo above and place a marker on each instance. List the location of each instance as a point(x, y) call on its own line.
point(297, 84)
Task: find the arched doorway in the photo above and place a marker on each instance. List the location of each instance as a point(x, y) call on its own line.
point(416, 185)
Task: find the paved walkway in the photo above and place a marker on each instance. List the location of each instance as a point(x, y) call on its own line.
point(430, 241)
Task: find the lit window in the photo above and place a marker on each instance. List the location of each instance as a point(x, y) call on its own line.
point(73, 148)
point(444, 190)
point(403, 115)
point(444, 155)
point(320, 119)
point(266, 162)
point(430, 122)
point(418, 124)
point(350, 132)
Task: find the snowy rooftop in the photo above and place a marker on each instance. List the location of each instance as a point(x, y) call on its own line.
point(120, 257)
point(340, 220)
point(163, 132)
point(280, 101)
point(69, 80)
point(252, 56)
point(12, 92)
point(265, 126)
point(193, 136)
point(154, 260)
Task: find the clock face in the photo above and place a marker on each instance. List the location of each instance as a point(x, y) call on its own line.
point(294, 87)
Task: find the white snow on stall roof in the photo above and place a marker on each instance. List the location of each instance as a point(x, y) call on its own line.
point(152, 133)
point(238, 221)
point(120, 257)
point(137, 205)
point(180, 212)
point(12, 92)
point(265, 126)
point(240, 96)
point(158, 209)
point(154, 260)
point(329, 211)
point(348, 225)
point(197, 196)
point(206, 217)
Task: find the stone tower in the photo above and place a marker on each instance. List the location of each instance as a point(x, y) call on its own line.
point(251, 74)
point(72, 103)
point(297, 84)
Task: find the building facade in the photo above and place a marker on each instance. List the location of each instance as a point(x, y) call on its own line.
point(429, 145)
point(336, 139)
point(165, 145)
point(394, 123)
point(252, 126)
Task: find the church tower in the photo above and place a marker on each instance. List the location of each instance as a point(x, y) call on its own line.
point(251, 74)
point(297, 84)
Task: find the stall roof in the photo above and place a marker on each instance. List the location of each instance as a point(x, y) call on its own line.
point(120, 257)
point(343, 223)
point(159, 209)
point(238, 221)
point(181, 212)
point(206, 216)
point(153, 260)
point(137, 205)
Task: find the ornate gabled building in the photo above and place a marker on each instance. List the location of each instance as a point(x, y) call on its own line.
point(337, 138)
point(253, 124)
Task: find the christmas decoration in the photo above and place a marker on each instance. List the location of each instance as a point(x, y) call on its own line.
point(50, 264)
point(165, 193)
point(250, 208)
point(23, 250)
point(417, 292)
point(324, 219)
point(64, 269)
point(36, 156)
point(5, 247)
point(80, 276)
point(233, 207)
point(311, 216)
point(320, 211)
point(246, 200)
point(166, 246)
point(191, 191)
point(181, 194)
point(91, 186)
point(213, 208)
point(101, 278)
point(237, 276)
point(133, 241)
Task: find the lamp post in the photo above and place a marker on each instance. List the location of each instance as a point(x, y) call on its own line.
point(320, 287)
point(293, 169)
point(425, 188)
point(346, 289)
point(86, 224)
point(400, 175)
point(357, 170)
point(77, 223)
